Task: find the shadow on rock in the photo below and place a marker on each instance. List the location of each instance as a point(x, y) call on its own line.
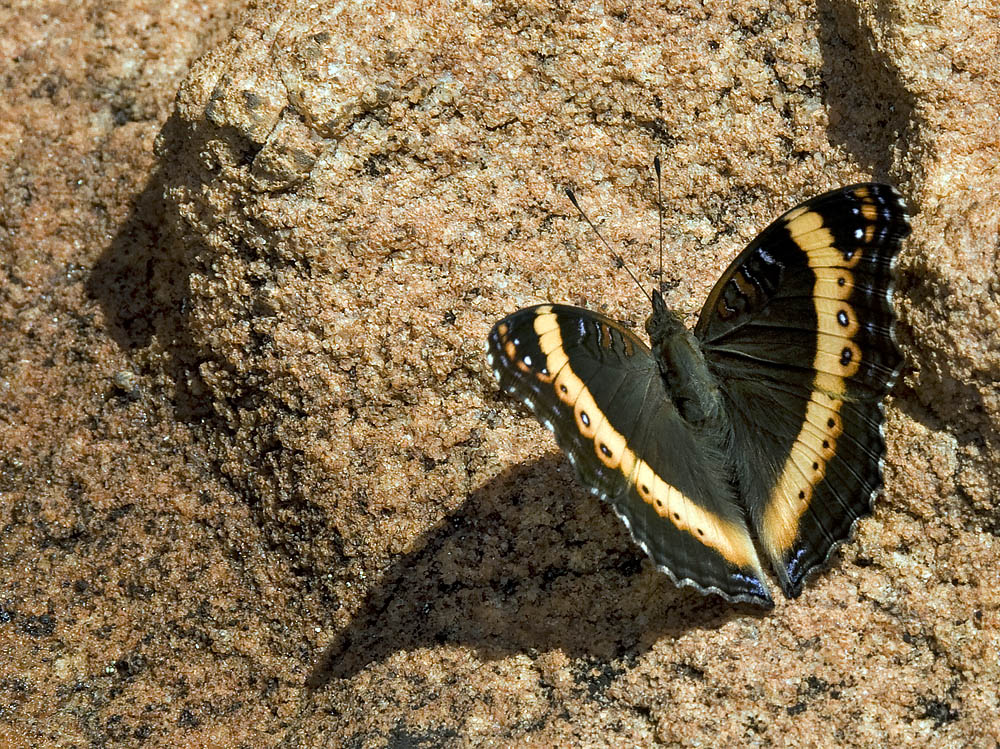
point(141, 280)
point(871, 112)
point(530, 563)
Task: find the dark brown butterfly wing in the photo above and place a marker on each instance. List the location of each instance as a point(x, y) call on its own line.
point(799, 334)
point(596, 386)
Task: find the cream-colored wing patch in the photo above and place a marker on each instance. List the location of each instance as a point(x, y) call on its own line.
point(837, 358)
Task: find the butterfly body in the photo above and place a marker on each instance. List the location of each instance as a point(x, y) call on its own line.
point(682, 363)
point(762, 427)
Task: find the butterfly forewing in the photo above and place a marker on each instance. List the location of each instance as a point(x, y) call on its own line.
point(596, 386)
point(799, 334)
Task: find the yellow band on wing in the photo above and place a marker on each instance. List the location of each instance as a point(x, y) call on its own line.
point(730, 540)
point(837, 357)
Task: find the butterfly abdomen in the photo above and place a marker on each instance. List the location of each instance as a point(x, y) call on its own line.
point(686, 377)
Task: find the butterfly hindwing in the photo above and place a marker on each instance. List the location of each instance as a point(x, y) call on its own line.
point(799, 334)
point(597, 387)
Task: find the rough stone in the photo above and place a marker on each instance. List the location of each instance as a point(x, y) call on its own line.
point(257, 485)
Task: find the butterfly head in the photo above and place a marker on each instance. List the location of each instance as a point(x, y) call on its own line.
point(663, 323)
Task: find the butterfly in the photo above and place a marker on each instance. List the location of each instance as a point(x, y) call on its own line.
point(758, 435)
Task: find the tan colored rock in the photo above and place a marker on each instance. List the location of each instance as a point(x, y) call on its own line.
point(305, 512)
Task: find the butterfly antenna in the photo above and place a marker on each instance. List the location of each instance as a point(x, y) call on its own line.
point(619, 261)
point(659, 209)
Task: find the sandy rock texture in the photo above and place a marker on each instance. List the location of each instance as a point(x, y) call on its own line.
point(256, 485)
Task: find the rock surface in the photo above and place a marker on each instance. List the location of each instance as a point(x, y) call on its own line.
point(257, 486)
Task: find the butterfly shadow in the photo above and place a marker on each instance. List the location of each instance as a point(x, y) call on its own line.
point(529, 563)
